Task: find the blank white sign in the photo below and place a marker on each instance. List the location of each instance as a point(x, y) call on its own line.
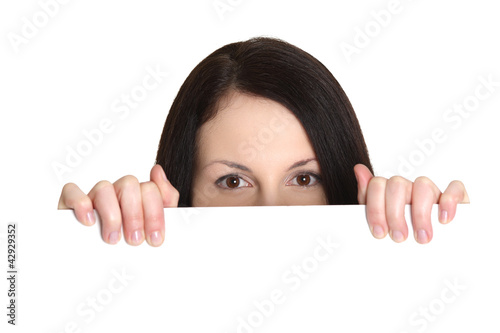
point(259, 269)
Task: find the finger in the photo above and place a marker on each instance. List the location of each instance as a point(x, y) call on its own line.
point(375, 207)
point(154, 222)
point(169, 193)
point(105, 202)
point(128, 192)
point(398, 193)
point(363, 176)
point(455, 193)
point(425, 194)
point(74, 198)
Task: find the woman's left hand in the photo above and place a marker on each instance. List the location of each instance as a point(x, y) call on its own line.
point(385, 201)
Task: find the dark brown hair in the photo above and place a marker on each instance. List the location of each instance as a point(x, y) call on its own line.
point(279, 71)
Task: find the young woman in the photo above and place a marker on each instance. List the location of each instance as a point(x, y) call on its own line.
point(261, 122)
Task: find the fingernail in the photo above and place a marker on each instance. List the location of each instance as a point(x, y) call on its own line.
point(136, 237)
point(155, 238)
point(90, 218)
point(113, 237)
point(444, 216)
point(397, 236)
point(422, 237)
point(378, 232)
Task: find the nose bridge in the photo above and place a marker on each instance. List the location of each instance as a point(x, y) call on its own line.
point(269, 196)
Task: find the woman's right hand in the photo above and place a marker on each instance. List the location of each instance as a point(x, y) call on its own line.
point(136, 206)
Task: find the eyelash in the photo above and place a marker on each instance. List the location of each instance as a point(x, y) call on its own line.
point(223, 178)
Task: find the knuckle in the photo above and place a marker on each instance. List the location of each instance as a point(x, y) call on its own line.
point(422, 180)
point(392, 221)
point(103, 185)
point(447, 198)
point(82, 203)
point(78, 202)
point(376, 214)
point(68, 187)
point(419, 216)
point(458, 183)
point(149, 187)
point(154, 220)
point(396, 184)
point(111, 219)
point(377, 219)
point(133, 218)
point(397, 180)
point(377, 181)
point(375, 188)
point(127, 181)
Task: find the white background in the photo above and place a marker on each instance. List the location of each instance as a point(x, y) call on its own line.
point(64, 79)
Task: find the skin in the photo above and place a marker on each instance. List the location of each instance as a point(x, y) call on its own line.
point(256, 152)
point(257, 141)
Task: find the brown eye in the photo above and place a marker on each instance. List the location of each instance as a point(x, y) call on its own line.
point(232, 182)
point(303, 180)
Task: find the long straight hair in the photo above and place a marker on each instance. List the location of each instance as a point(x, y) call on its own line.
point(277, 70)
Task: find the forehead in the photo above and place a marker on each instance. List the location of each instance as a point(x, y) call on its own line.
point(252, 129)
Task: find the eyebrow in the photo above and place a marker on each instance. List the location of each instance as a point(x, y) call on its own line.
point(244, 168)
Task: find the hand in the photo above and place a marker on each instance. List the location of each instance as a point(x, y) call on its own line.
point(385, 201)
point(136, 206)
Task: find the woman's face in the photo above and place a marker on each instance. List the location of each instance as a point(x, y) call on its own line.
point(255, 152)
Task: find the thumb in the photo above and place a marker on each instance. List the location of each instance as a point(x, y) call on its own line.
point(169, 193)
point(363, 176)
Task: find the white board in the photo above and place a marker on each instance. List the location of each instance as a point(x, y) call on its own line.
point(259, 269)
